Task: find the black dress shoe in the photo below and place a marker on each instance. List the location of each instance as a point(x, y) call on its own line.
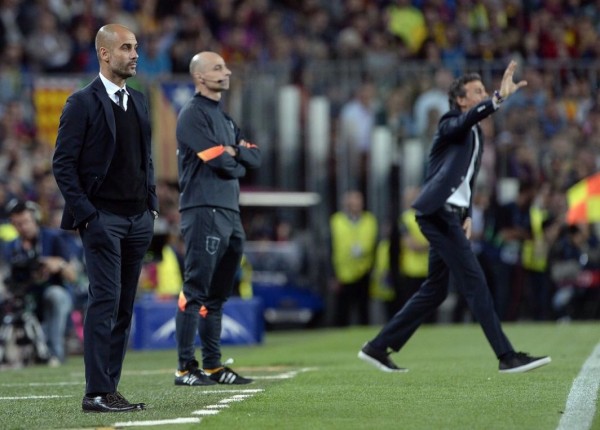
point(111, 402)
point(140, 406)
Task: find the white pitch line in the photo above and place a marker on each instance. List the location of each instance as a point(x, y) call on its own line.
point(217, 406)
point(34, 397)
point(224, 403)
point(157, 422)
point(286, 375)
point(206, 412)
point(581, 403)
point(42, 384)
point(247, 390)
point(232, 400)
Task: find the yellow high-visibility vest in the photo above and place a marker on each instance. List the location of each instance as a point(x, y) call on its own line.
point(381, 283)
point(245, 288)
point(168, 275)
point(414, 264)
point(534, 253)
point(353, 245)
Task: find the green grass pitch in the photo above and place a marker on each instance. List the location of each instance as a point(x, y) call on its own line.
point(313, 380)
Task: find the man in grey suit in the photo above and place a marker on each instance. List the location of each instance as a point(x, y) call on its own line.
point(104, 170)
point(444, 216)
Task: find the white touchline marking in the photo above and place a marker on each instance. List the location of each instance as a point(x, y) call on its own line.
point(42, 384)
point(230, 400)
point(34, 397)
point(286, 375)
point(224, 403)
point(158, 422)
point(254, 390)
point(581, 403)
point(206, 412)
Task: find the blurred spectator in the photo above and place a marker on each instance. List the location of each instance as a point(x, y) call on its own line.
point(14, 77)
point(49, 47)
point(354, 235)
point(453, 53)
point(356, 123)
point(84, 52)
point(512, 227)
point(10, 30)
point(115, 12)
point(40, 267)
point(575, 265)
point(154, 61)
point(432, 103)
point(396, 113)
point(537, 291)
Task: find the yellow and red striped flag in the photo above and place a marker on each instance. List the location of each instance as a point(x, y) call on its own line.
point(584, 200)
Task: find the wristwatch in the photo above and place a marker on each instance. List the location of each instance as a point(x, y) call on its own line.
point(154, 213)
point(498, 97)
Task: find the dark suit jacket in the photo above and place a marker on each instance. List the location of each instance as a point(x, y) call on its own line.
point(450, 156)
point(85, 146)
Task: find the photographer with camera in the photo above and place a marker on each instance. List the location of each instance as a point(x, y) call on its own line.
point(40, 270)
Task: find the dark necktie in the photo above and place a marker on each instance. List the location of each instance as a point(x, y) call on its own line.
point(121, 95)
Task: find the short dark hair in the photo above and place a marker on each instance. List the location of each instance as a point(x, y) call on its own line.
point(457, 88)
point(16, 206)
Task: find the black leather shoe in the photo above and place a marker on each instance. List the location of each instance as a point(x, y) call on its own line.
point(111, 402)
point(123, 400)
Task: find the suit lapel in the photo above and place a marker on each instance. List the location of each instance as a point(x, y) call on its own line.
point(106, 106)
point(138, 108)
point(480, 149)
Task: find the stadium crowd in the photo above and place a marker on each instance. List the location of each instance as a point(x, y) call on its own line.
point(545, 140)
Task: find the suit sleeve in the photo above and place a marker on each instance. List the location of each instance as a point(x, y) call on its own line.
point(453, 126)
point(194, 132)
point(71, 136)
point(152, 196)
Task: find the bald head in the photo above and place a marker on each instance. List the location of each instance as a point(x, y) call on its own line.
point(210, 74)
point(109, 34)
point(203, 60)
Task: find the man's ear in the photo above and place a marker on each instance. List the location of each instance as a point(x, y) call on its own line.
point(104, 54)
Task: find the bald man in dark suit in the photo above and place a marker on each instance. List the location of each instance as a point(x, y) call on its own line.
point(104, 170)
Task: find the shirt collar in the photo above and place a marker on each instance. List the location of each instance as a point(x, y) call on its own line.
point(111, 88)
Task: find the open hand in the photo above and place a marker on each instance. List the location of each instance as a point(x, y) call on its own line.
point(508, 86)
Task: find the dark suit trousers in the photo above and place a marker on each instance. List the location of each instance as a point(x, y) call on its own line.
point(450, 255)
point(114, 249)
